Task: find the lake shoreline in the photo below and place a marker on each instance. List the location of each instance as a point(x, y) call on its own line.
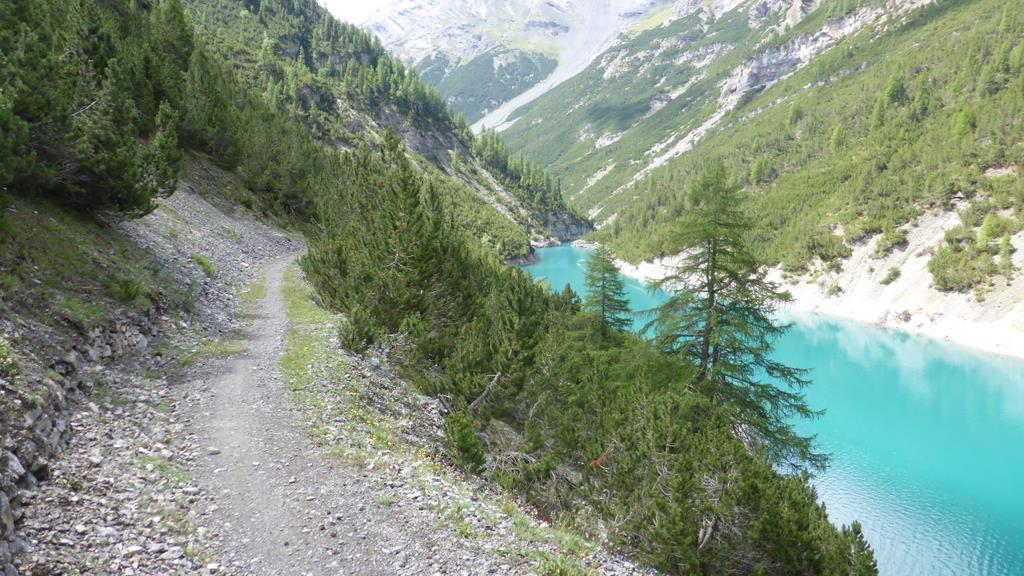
point(950, 318)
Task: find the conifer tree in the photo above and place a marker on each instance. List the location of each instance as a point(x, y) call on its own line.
point(720, 317)
point(606, 294)
point(1006, 257)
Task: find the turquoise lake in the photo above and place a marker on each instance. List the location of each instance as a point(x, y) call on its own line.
point(926, 438)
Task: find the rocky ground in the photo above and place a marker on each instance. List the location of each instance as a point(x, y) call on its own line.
point(244, 440)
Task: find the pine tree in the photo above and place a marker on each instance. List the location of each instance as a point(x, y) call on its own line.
point(1006, 257)
point(720, 317)
point(161, 160)
point(838, 138)
point(606, 294)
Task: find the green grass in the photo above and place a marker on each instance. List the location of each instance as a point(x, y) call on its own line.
point(231, 235)
point(213, 349)
point(85, 314)
point(62, 264)
point(552, 565)
point(8, 361)
point(205, 265)
point(890, 276)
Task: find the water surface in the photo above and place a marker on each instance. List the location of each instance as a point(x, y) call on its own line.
point(926, 438)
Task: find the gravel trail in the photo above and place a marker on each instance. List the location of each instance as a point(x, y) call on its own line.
point(279, 504)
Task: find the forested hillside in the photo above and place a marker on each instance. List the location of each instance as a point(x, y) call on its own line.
point(486, 81)
point(482, 53)
point(901, 110)
point(686, 460)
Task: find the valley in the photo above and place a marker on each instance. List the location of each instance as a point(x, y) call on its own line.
point(563, 288)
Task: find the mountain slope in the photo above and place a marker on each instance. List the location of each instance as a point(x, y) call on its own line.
point(482, 54)
point(853, 133)
point(798, 118)
point(341, 84)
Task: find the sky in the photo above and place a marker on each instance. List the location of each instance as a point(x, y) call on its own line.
point(355, 11)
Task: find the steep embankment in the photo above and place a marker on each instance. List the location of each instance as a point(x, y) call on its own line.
point(234, 436)
point(101, 318)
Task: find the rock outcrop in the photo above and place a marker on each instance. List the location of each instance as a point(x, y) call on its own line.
point(47, 401)
point(564, 226)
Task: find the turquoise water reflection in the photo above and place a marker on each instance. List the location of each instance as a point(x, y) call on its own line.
point(927, 439)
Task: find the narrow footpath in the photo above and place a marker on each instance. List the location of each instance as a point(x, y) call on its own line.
point(281, 507)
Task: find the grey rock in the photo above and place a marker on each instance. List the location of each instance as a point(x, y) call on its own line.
point(6, 518)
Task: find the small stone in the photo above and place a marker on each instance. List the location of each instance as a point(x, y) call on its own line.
point(213, 451)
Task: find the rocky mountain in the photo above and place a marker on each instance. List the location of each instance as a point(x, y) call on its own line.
point(483, 53)
point(655, 96)
point(851, 125)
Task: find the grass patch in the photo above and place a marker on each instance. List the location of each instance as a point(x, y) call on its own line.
point(552, 565)
point(174, 474)
point(86, 315)
point(57, 263)
point(891, 276)
point(205, 265)
point(454, 517)
point(252, 295)
point(213, 349)
point(127, 290)
point(8, 361)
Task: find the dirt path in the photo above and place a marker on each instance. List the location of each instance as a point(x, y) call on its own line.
point(279, 506)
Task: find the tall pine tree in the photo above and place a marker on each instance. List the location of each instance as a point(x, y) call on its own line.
point(720, 317)
point(606, 295)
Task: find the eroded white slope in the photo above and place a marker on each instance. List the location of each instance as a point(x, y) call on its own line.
point(575, 32)
point(595, 27)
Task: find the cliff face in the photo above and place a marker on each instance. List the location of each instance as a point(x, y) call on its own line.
point(562, 226)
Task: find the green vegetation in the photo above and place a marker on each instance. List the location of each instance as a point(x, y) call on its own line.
point(654, 449)
point(890, 276)
point(551, 565)
point(862, 141)
point(204, 264)
point(8, 361)
point(61, 264)
point(639, 433)
point(719, 318)
point(494, 77)
point(460, 433)
point(896, 155)
point(606, 293)
point(532, 186)
point(79, 92)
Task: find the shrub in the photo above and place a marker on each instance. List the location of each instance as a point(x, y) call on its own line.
point(551, 565)
point(958, 270)
point(891, 276)
point(8, 361)
point(357, 330)
point(892, 237)
point(204, 265)
point(460, 433)
point(84, 314)
point(125, 289)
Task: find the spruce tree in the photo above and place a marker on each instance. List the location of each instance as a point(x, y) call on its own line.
point(720, 317)
point(606, 294)
point(1006, 257)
